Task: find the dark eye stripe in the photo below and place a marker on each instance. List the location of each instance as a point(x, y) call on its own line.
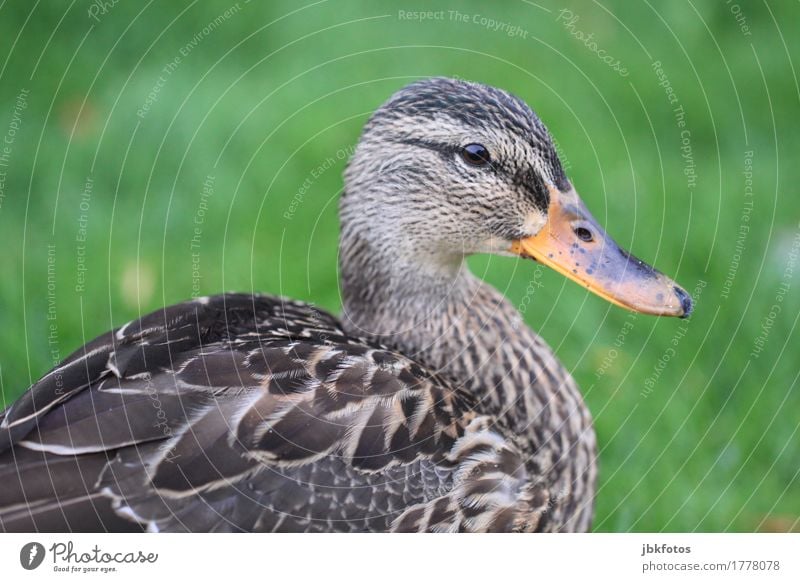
point(525, 178)
point(475, 154)
point(448, 151)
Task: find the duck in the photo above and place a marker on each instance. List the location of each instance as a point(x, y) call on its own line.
point(428, 405)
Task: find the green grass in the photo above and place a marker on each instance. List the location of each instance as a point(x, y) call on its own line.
point(714, 446)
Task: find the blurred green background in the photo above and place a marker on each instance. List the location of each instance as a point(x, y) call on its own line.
point(119, 114)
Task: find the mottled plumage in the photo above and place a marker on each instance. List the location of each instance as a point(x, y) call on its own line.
point(429, 406)
point(242, 412)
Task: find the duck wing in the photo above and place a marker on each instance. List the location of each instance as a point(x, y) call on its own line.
point(250, 413)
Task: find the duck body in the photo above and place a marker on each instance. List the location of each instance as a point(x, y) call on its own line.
point(429, 405)
point(255, 413)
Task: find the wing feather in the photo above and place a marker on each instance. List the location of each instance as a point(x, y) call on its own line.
point(234, 412)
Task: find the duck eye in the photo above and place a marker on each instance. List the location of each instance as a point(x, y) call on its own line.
point(475, 154)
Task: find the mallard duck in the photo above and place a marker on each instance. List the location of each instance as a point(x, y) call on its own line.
point(429, 405)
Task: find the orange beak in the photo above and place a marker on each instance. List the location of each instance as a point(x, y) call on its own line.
point(572, 243)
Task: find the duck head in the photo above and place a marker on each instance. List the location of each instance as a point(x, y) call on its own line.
point(447, 168)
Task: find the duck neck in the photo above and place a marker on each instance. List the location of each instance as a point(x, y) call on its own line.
point(433, 310)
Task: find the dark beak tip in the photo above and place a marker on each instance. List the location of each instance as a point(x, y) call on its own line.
point(686, 301)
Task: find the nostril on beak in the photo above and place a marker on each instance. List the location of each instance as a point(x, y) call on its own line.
point(686, 301)
point(584, 234)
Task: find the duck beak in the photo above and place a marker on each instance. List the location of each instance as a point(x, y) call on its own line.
point(574, 244)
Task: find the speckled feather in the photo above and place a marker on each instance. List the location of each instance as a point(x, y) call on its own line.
point(245, 412)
